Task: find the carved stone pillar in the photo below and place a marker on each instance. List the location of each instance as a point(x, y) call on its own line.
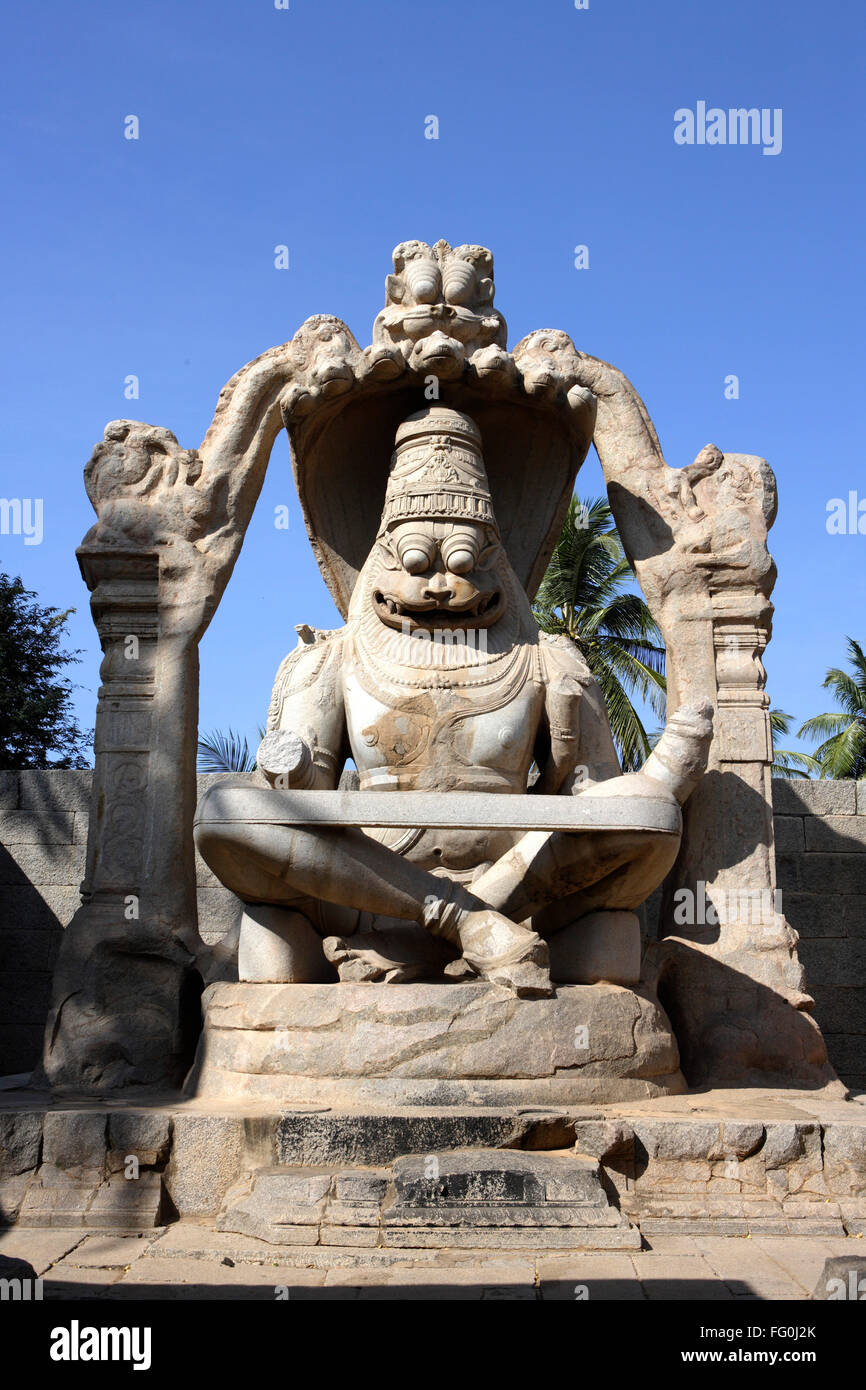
point(170, 523)
point(125, 988)
point(727, 967)
point(125, 609)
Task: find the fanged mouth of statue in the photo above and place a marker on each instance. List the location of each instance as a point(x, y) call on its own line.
point(481, 611)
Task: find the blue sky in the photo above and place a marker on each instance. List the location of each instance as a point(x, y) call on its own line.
point(305, 127)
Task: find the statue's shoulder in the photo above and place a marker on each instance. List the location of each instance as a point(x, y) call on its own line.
point(562, 659)
point(318, 649)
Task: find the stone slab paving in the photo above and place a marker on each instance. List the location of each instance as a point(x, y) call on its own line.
point(189, 1260)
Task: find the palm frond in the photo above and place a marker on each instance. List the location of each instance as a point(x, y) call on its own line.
point(842, 752)
point(222, 751)
point(847, 691)
point(585, 596)
point(787, 763)
point(824, 726)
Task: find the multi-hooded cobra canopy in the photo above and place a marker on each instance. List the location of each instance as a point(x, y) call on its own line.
point(345, 406)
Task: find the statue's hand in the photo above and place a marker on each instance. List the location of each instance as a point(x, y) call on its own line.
point(286, 760)
point(679, 758)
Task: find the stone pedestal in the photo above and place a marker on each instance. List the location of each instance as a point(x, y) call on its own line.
point(433, 1044)
point(468, 1198)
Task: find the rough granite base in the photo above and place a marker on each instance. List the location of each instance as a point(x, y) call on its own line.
point(433, 1044)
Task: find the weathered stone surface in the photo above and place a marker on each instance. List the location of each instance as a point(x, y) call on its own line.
point(813, 798)
point(28, 828)
point(53, 1199)
point(441, 810)
point(205, 1160)
point(461, 1041)
point(9, 790)
point(376, 1138)
point(836, 962)
point(789, 834)
point(844, 1147)
point(80, 1197)
point(20, 1141)
point(817, 915)
point(694, 1139)
point(74, 1139)
point(849, 1053)
point(479, 1191)
point(604, 1139)
point(839, 834)
point(51, 790)
point(127, 1204)
point(40, 1248)
point(601, 947)
point(361, 1187)
point(12, 1194)
point(276, 945)
point(38, 907)
point(456, 1187)
point(821, 872)
point(619, 1237)
point(276, 1205)
point(145, 1134)
point(34, 865)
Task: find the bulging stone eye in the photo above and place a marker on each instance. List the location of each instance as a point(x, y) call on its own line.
point(414, 560)
point(460, 560)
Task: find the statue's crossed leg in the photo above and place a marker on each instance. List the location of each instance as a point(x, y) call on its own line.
point(282, 865)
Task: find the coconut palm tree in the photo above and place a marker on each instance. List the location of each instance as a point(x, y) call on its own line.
point(785, 762)
point(842, 752)
point(225, 752)
point(584, 596)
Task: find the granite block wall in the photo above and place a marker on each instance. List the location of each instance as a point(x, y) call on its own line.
point(821, 871)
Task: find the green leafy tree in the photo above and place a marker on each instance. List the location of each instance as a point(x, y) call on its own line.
point(842, 752)
point(785, 762)
point(38, 728)
point(585, 596)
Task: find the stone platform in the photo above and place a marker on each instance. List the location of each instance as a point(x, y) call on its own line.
point(302, 1179)
point(433, 1044)
point(465, 1198)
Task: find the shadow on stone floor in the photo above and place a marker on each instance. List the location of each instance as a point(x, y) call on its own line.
point(554, 1290)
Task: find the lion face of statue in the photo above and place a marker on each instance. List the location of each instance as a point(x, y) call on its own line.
point(439, 575)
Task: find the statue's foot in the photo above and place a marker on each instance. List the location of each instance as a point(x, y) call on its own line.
point(504, 953)
point(359, 964)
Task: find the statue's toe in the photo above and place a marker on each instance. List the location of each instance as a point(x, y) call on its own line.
point(359, 965)
point(526, 979)
point(505, 953)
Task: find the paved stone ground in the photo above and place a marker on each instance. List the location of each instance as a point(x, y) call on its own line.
point(189, 1260)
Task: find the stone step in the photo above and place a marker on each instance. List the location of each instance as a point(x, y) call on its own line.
point(472, 1197)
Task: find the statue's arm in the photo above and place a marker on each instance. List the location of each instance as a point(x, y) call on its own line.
point(575, 748)
point(306, 742)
